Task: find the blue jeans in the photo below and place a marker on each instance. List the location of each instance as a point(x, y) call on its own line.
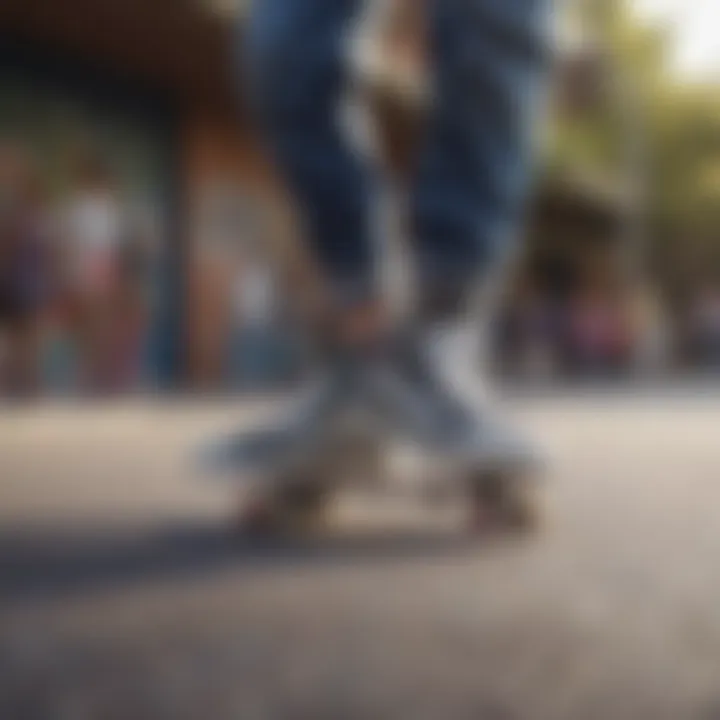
point(487, 58)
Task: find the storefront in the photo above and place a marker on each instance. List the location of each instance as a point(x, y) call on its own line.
point(149, 91)
point(64, 118)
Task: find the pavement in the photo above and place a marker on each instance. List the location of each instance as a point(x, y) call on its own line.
point(123, 595)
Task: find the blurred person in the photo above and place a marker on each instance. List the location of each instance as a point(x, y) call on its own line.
point(526, 334)
point(599, 332)
point(263, 349)
point(131, 307)
point(486, 58)
point(705, 326)
point(589, 329)
point(24, 271)
point(93, 231)
point(648, 331)
point(538, 336)
point(256, 305)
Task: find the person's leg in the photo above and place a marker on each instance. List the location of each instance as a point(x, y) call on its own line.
point(488, 57)
point(296, 60)
point(295, 53)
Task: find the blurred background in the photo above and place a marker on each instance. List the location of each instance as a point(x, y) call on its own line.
point(146, 244)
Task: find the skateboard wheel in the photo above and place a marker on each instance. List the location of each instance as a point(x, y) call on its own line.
point(503, 500)
point(258, 516)
point(303, 502)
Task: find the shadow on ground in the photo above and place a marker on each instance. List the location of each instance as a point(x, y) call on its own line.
point(46, 565)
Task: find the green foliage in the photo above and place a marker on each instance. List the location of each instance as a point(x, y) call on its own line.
point(648, 128)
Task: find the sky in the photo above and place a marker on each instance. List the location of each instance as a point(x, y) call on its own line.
point(696, 28)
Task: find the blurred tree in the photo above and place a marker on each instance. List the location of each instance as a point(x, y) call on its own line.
point(624, 122)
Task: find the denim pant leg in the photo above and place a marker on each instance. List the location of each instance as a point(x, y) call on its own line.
point(488, 57)
point(296, 53)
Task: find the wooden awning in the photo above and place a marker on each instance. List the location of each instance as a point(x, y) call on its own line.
point(571, 202)
point(181, 48)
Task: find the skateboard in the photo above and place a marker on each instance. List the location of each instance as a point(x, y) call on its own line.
point(500, 498)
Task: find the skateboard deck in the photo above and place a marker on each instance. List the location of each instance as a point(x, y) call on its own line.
point(300, 493)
